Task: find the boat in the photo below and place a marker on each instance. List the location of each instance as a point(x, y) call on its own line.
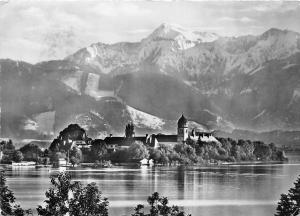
point(146, 162)
point(24, 164)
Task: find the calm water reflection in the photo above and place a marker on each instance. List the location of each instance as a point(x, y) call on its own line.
point(210, 191)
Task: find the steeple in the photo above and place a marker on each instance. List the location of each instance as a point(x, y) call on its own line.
point(182, 129)
point(129, 130)
point(182, 122)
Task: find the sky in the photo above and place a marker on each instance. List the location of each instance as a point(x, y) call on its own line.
point(40, 30)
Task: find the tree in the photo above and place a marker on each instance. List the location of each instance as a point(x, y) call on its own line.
point(87, 201)
point(289, 204)
point(155, 154)
point(118, 156)
point(8, 207)
point(64, 141)
point(262, 151)
point(31, 151)
point(186, 153)
point(158, 206)
point(9, 145)
point(286, 206)
point(55, 156)
point(294, 193)
point(235, 151)
point(75, 156)
point(66, 197)
point(98, 149)
point(7, 197)
point(138, 151)
point(17, 156)
point(58, 196)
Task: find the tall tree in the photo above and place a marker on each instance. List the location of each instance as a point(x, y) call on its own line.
point(138, 151)
point(98, 149)
point(17, 156)
point(87, 201)
point(31, 151)
point(57, 196)
point(7, 197)
point(75, 156)
point(8, 207)
point(67, 197)
point(289, 204)
point(286, 206)
point(294, 193)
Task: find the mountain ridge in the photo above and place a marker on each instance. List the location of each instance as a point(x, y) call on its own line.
point(222, 83)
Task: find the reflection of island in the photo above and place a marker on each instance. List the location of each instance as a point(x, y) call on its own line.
point(181, 174)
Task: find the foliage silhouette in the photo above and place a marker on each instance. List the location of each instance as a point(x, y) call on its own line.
point(289, 204)
point(66, 197)
point(8, 207)
point(158, 207)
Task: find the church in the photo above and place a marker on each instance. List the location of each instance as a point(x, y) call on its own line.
point(154, 140)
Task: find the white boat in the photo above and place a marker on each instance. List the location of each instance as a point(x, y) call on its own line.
point(146, 162)
point(24, 163)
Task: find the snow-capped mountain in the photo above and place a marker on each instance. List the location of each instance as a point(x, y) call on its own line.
point(160, 47)
point(183, 38)
point(175, 50)
point(219, 82)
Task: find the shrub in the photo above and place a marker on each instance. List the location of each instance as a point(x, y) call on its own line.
point(289, 204)
point(66, 197)
point(31, 151)
point(8, 207)
point(137, 151)
point(158, 206)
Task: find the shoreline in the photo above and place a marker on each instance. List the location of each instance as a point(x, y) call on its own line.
point(132, 164)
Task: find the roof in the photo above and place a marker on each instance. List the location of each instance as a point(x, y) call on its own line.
point(142, 139)
point(121, 141)
point(166, 138)
point(201, 133)
point(182, 121)
point(114, 140)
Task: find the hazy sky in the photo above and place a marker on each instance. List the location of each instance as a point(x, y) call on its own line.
point(41, 30)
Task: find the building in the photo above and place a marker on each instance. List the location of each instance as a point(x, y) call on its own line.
point(81, 144)
point(154, 140)
point(182, 129)
point(114, 143)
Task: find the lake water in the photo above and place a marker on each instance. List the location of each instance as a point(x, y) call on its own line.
point(226, 190)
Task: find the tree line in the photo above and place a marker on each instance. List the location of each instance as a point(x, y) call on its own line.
point(192, 152)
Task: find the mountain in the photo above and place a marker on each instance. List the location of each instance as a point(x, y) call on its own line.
point(223, 83)
point(288, 139)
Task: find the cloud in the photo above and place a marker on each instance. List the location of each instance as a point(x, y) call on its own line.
point(207, 28)
point(227, 19)
point(20, 49)
point(41, 30)
point(233, 19)
point(246, 20)
point(262, 8)
point(119, 9)
point(272, 6)
point(60, 43)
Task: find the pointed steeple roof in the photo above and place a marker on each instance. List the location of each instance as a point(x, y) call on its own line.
point(182, 122)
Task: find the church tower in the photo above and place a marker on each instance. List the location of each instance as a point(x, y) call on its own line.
point(182, 129)
point(129, 131)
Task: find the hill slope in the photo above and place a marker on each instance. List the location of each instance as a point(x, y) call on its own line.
point(248, 82)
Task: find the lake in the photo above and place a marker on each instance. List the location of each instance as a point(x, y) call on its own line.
point(225, 190)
